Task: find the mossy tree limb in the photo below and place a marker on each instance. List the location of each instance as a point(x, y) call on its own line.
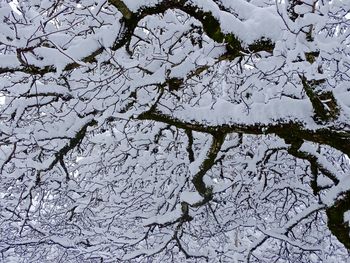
point(324, 104)
point(207, 164)
point(336, 223)
point(336, 137)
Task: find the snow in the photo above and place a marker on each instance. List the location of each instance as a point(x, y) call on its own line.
point(9, 61)
point(135, 5)
point(252, 23)
point(336, 192)
point(259, 113)
point(2, 99)
point(63, 241)
point(347, 217)
point(14, 6)
point(310, 148)
point(169, 217)
point(190, 197)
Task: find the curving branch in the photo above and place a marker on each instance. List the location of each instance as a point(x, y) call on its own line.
point(130, 20)
point(207, 164)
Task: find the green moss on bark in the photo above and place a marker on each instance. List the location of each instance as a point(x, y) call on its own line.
point(336, 224)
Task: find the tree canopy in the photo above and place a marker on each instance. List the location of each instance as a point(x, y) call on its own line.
point(174, 130)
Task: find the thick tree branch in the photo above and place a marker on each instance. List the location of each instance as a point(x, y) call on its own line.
point(207, 164)
point(290, 131)
point(336, 223)
point(324, 104)
point(127, 14)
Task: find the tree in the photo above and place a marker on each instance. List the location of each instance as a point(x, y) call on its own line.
point(173, 130)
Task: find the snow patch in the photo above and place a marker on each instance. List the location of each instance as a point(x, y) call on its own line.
point(190, 197)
